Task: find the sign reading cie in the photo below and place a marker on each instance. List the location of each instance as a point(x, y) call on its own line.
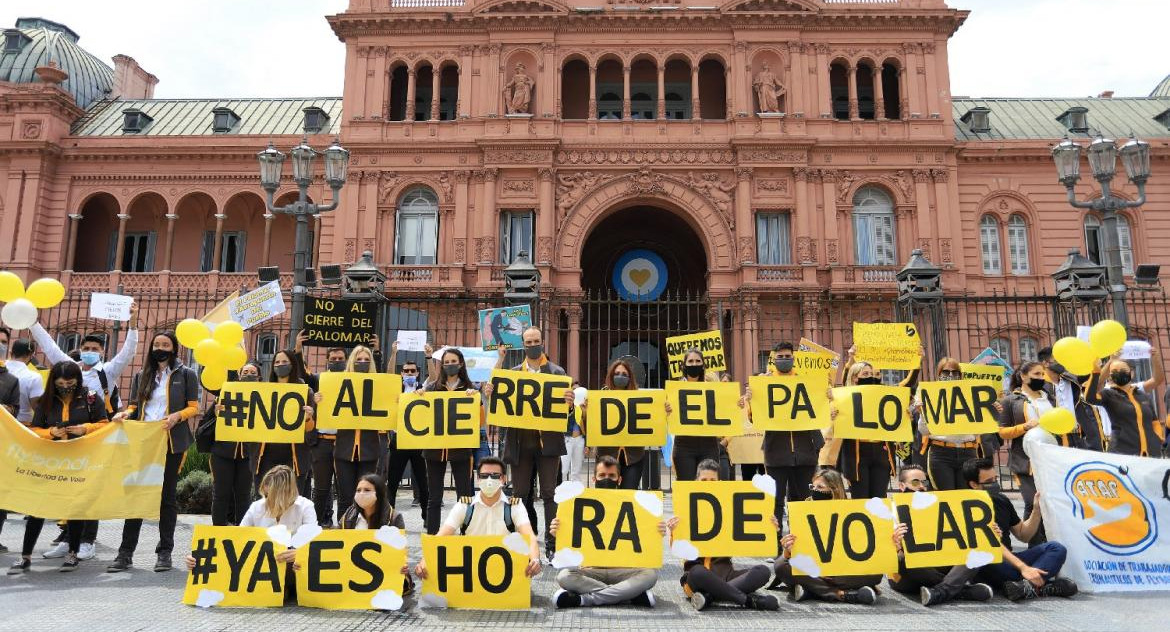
point(438, 420)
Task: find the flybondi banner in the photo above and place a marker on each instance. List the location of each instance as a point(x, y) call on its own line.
point(113, 472)
point(1112, 512)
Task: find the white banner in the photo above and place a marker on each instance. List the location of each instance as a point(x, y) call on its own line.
point(257, 306)
point(1112, 512)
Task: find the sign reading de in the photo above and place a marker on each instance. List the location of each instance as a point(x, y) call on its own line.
point(625, 418)
point(337, 323)
point(262, 413)
point(725, 518)
point(257, 306)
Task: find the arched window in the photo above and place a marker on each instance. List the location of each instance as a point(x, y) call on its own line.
point(1003, 347)
point(873, 228)
point(989, 245)
point(1028, 349)
point(418, 228)
point(1095, 241)
point(1017, 232)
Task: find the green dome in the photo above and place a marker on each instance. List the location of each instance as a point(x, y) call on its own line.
point(36, 41)
point(1162, 89)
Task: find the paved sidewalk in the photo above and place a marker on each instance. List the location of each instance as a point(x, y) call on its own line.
point(90, 600)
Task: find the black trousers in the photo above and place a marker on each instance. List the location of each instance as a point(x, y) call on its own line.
point(825, 588)
point(873, 479)
point(348, 473)
point(396, 465)
point(436, 471)
point(944, 466)
point(231, 490)
point(735, 588)
point(323, 481)
point(686, 462)
point(947, 581)
point(167, 517)
point(632, 472)
point(748, 470)
point(73, 534)
point(547, 469)
point(791, 484)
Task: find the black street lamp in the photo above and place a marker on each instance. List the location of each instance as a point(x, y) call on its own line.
point(336, 166)
point(920, 290)
point(363, 279)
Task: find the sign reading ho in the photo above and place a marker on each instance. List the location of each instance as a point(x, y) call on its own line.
point(337, 323)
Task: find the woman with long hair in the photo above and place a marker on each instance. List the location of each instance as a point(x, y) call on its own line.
point(1136, 429)
point(688, 452)
point(452, 377)
point(231, 472)
point(945, 455)
point(372, 508)
point(620, 377)
point(288, 367)
point(356, 452)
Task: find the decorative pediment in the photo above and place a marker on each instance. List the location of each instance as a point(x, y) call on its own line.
point(753, 6)
point(522, 7)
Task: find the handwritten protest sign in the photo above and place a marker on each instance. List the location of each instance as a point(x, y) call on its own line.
point(261, 304)
point(625, 418)
point(725, 518)
point(984, 372)
point(948, 528)
point(960, 407)
point(887, 345)
point(477, 572)
point(748, 448)
point(235, 566)
point(789, 403)
point(614, 528)
point(842, 537)
point(438, 420)
point(262, 412)
point(704, 409)
point(412, 340)
point(710, 343)
point(534, 401)
point(359, 401)
point(872, 413)
point(110, 306)
point(352, 569)
point(336, 323)
point(503, 327)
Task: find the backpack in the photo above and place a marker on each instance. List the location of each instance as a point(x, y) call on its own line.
point(469, 501)
point(113, 397)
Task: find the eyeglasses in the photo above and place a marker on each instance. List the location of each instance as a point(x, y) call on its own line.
point(950, 373)
point(495, 476)
point(410, 371)
point(917, 482)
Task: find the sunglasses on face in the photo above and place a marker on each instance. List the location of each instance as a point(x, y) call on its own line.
point(495, 476)
point(950, 373)
point(410, 371)
point(917, 482)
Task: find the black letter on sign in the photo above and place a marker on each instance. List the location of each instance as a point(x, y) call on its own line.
point(406, 412)
point(982, 522)
point(454, 416)
point(502, 390)
point(298, 419)
point(526, 393)
point(608, 409)
point(716, 514)
point(317, 565)
point(272, 574)
point(712, 420)
point(444, 571)
point(590, 524)
point(894, 420)
point(909, 544)
point(637, 415)
point(377, 576)
point(739, 518)
point(506, 580)
point(347, 399)
point(858, 422)
point(626, 528)
point(236, 562)
point(685, 407)
point(368, 409)
point(984, 398)
point(870, 541)
point(824, 545)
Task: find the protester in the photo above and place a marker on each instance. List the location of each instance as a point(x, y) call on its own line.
point(355, 452)
point(98, 376)
point(70, 411)
point(324, 474)
point(1130, 406)
point(167, 392)
point(1069, 391)
point(945, 454)
point(453, 377)
point(631, 460)
point(688, 452)
point(398, 458)
point(860, 589)
point(32, 387)
point(596, 586)
point(372, 508)
point(1028, 574)
point(490, 512)
point(288, 367)
point(9, 399)
point(709, 580)
point(573, 462)
point(231, 473)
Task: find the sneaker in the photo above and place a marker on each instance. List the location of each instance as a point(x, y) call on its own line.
point(762, 602)
point(1058, 587)
point(976, 592)
point(799, 593)
point(930, 597)
point(3, 549)
point(87, 551)
point(164, 563)
point(566, 599)
point(120, 563)
point(1019, 590)
point(19, 566)
point(699, 601)
point(71, 564)
point(645, 600)
point(60, 550)
point(864, 595)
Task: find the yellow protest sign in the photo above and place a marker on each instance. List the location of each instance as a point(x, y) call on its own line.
point(810, 363)
point(438, 420)
point(948, 528)
point(352, 569)
point(842, 537)
point(708, 342)
point(234, 567)
point(625, 418)
point(873, 413)
point(704, 409)
point(478, 572)
point(988, 372)
point(959, 407)
point(807, 345)
point(789, 403)
point(888, 345)
point(532, 401)
point(724, 518)
point(114, 472)
point(358, 401)
point(262, 412)
point(748, 448)
point(615, 528)
point(44, 373)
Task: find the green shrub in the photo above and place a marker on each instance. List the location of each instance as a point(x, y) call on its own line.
point(195, 461)
point(194, 493)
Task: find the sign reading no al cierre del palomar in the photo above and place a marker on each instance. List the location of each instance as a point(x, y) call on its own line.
point(337, 323)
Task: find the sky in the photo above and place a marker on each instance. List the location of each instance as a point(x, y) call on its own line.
point(285, 48)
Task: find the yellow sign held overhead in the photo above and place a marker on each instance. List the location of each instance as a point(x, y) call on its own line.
point(888, 345)
point(359, 401)
point(625, 418)
point(614, 528)
point(873, 413)
point(710, 343)
point(440, 420)
point(476, 572)
point(704, 409)
point(842, 537)
point(789, 403)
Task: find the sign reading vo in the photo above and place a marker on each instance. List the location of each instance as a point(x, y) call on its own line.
point(709, 343)
point(439, 420)
point(842, 537)
point(479, 572)
point(532, 401)
point(262, 413)
point(625, 418)
point(614, 528)
point(359, 401)
point(732, 518)
point(872, 413)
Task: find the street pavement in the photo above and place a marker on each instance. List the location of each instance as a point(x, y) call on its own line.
point(90, 600)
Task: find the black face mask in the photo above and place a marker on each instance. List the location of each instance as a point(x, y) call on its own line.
point(817, 494)
point(161, 355)
point(361, 367)
point(534, 352)
point(451, 370)
point(337, 367)
point(621, 381)
point(282, 370)
point(606, 483)
point(1120, 378)
point(248, 378)
point(991, 488)
point(65, 391)
point(784, 365)
point(1037, 383)
point(869, 381)
point(694, 370)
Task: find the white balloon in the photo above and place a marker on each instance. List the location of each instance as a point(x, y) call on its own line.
point(19, 314)
point(1034, 436)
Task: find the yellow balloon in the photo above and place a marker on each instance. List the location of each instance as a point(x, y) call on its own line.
point(207, 352)
point(191, 332)
point(1074, 354)
point(11, 287)
point(45, 293)
point(1105, 338)
point(234, 358)
point(213, 378)
point(229, 332)
point(1058, 421)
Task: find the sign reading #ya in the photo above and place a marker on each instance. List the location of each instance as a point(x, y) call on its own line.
point(732, 518)
point(614, 528)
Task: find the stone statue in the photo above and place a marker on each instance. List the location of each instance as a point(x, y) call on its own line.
point(768, 90)
point(518, 92)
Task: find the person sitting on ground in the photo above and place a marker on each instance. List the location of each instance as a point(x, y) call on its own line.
point(372, 509)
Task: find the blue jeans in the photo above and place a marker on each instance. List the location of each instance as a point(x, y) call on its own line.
point(1047, 557)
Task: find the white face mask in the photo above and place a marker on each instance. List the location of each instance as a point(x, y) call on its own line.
point(365, 499)
point(489, 486)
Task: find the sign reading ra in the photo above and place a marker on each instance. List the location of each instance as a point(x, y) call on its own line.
point(352, 569)
point(888, 345)
point(948, 528)
point(533, 401)
point(438, 420)
point(262, 412)
point(359, 401)
point(614, 528)
point(872, 413)
point(477, 572)
point(842, 537)
point(959, 407)
point(234, 566)
point(336, 323)
point(625, 418)
point(710, 343)
point(732, 518)
point(789, 403)
point(704, 409)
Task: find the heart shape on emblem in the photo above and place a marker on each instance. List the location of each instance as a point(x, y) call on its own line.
point(640, 276)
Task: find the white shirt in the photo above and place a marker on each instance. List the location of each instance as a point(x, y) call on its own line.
point(1035, 408)
point(300, 514)
point(114, 368)
point(32, 386)
point(487, 520)
point(156, 406)
point(361, 523)
point(1064, 395)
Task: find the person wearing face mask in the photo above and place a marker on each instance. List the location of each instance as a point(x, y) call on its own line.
point(398, 458)
point(69, 411)
point(596, 586)
point(324, 476)
point(858, 589)
point(373, 508)
point(573, 462)
point(167, 392)
point(630, 460)
point(231, 472)
point(288, 367)
point(29, 388)
point(355, 452)
point(945, 454)
point(1069, 391)
point(690, 451)
point(453, 377)
point(1027, 574)
point(1136, 428)
point(933, 586)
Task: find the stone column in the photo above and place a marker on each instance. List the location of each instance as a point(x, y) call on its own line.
point(436, 75)
point(903, 95)
point(549, 77)
point(411, 78)
point(661, 114)
point(71, 245)
point(932, 89)
point(120, 245)
point(794, 101)
point(879, 101)
point(463, 107)
point(696, 112)
point(487, 254)
point(853, 110)
point(546, 221)
point(736, 84)
point(626, 92)
point(803, 229)
point(825, 89)
point(572, 362)
point(217, 250)
point(592, 93)
point(743, 215)
point(171, 218)
point(462, 176)
point(922, 204)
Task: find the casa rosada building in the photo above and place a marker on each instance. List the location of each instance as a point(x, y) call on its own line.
point(746, 150)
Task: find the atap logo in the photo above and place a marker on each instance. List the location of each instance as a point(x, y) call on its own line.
point(1116, 517)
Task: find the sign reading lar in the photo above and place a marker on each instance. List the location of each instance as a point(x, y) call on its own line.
point(262, 412)
point(234, 566)
point(532, 401)
point(359, 401)
point(335, 323)
point(948, 528)
point(477, 572)
point(613, 528)
point(439, 420)
point(704, 409)
point(625, 418)
point(873, 413)
point(709, 343)
point(725, 518)
point(789, 403)
point(960, 407)
point(842, 537)
point(352, 569)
